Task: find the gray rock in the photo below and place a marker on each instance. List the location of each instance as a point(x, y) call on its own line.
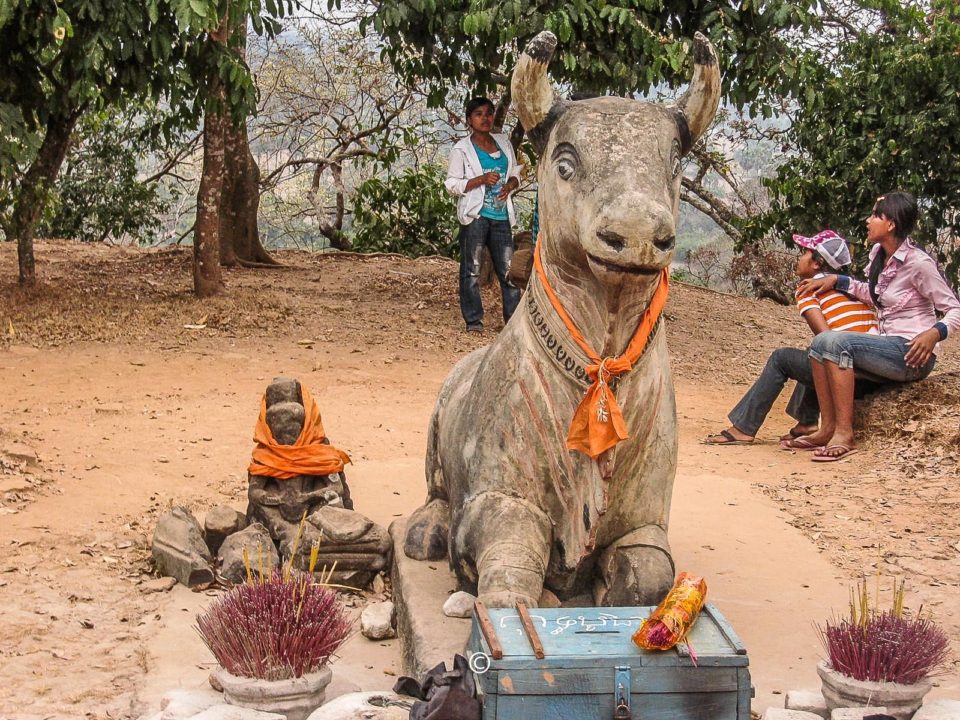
point(221, 522)
point(376, 705)
point(810, 701)
point(782, 714)
point(459, 605)
point(179, 549)
point(256, 540)
point(235, 712)
point(938, 710)
point(856, 713)
point(376, 621)
point(182, 704)
point(286, 421)
point(548, 599)
point(157, 585)
point(340, 525)
point(283, 389)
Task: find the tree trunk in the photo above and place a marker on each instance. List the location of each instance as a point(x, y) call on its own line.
point(34, 188)
point(239, 234)
point(207, 280)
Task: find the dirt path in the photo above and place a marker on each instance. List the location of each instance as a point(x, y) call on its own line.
point(104, 423)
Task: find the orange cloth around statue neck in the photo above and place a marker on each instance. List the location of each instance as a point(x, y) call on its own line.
point(307, 456)
point(598, 423)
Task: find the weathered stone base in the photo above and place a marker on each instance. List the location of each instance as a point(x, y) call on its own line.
point(420, 588)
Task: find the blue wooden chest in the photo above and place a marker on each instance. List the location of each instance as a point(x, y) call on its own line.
point(591, 670)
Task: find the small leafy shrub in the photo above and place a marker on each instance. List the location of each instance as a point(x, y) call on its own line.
point(279, 627)
point(884, 646)
point(411, 213)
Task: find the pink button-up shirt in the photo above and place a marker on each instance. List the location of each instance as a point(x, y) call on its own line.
point(911, 291)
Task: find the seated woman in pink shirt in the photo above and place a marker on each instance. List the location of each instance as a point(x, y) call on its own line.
point(908, 291)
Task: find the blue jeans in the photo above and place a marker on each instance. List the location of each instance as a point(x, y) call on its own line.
point(496, 235)
point(873, 356)
point(785, 364)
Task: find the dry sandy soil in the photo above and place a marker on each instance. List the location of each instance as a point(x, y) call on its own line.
point(121, 395)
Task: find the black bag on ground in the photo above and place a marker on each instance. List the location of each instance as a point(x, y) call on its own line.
point(443, 694)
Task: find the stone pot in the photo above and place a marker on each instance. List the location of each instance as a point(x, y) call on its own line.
point(840, 691)
point(296, 698)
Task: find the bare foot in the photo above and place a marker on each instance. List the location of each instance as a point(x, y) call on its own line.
point(799, 430)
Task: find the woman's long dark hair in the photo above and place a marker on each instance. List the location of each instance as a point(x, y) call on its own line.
point(900, 208)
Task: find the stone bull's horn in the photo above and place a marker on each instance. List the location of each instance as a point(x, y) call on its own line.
point(699, 104)
point(532, 92)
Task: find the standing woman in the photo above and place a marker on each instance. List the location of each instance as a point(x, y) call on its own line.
point(908, 291)
point(483, 171)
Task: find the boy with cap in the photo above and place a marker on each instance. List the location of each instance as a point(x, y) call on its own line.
point(828, 310)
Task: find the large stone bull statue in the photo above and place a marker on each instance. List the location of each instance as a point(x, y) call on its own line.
point(514, 506)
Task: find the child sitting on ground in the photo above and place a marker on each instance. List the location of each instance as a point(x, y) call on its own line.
point(828, 310)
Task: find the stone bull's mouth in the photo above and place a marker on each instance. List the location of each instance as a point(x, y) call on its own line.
point(631, 269)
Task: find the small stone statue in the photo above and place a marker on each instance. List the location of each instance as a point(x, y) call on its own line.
point(279, 497)
point(279, 503)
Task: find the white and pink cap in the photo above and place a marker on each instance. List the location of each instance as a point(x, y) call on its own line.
point(828, 245)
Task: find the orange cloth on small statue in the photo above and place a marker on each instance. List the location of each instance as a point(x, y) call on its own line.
point(309, 455)
point(598, 423)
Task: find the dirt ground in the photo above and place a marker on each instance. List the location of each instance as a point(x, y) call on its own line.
point(121, 395)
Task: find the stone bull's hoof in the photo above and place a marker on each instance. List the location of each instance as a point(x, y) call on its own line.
point(428, 532)
point(636, 570)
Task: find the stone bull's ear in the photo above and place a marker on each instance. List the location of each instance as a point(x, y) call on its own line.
point(699, 104)
point(532, 92)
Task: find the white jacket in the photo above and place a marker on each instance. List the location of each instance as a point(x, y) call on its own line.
point(464, 165)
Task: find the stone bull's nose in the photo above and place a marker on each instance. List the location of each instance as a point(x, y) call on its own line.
point(613, 240)
point(665, 242)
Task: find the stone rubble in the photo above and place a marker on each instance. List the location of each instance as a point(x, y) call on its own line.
point(377, 705)
point(938, 710)
point(859, 713)
point(221, 522)
point(784, 714)
point(459, 605)
point(258, 543)
point(810, 701)
point(179, 549)
point(183, 704)
point(376, 621)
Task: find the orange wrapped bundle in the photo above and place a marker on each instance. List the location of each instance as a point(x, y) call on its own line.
point(672, 619)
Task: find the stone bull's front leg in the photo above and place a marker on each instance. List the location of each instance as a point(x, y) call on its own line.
point(502, 549)
point(636, 569)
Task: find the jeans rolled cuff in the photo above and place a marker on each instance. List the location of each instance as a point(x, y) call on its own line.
point(843, 360)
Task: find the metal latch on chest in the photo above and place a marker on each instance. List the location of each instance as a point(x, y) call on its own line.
point(621, 693)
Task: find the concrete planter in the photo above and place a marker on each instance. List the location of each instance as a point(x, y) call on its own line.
point(840, 691)
point(296, 698)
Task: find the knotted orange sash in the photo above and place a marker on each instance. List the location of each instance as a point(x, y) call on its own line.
point(309, 455)
point(598, 423)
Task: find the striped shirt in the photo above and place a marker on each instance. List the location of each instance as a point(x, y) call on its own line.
point(841, 312)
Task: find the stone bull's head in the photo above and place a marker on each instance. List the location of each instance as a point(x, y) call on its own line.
point(610, 167)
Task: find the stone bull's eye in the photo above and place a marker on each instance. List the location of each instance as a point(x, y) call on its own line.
point(675, 159)
point(565, 168)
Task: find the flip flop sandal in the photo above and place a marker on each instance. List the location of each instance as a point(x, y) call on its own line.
point(822, 457)
point(729, 439)
point(800, 443)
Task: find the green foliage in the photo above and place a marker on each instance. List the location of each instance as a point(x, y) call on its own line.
point(98, 194)
point(410, 213)
point(886, 116)
point(623, 46)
